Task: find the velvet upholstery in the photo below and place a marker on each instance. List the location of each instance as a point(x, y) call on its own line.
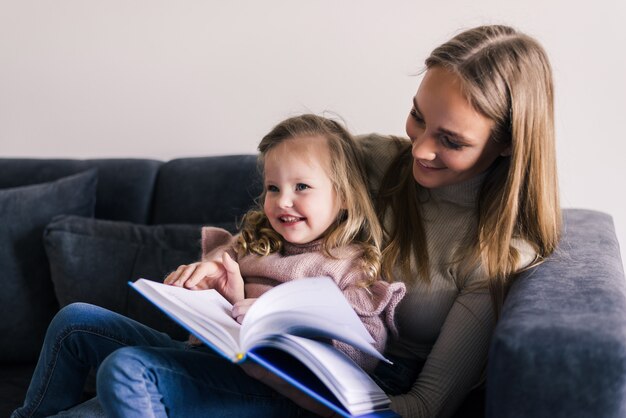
point(559, 349)
point(93, 260)
point(124, 185)
point(187, 190)
point(27, 302)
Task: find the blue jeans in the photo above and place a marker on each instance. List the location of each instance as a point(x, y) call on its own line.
point(141, 372)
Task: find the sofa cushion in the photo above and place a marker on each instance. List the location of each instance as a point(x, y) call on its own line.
point(206, 190)
point(92, 260)
point(124, 190)
point(27, 300)
point(559, 348)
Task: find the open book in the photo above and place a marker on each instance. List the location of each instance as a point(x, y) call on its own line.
point(281, 332)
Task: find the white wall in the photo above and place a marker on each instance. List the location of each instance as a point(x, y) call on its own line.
point(165, 79)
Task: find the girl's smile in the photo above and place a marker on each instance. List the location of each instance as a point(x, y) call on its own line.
point(290, 220)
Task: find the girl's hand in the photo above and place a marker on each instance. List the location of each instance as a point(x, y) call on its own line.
point(223, 276)
point(287, 390)
point(196, 276)
point(240, 309)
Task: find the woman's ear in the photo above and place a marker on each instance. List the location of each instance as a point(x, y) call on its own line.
point(507, 152)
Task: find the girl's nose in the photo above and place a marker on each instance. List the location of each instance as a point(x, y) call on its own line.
point(285, 200)
point(424, 147)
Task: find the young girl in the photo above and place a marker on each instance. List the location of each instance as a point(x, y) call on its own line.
point(315, 219)
point(304, 229)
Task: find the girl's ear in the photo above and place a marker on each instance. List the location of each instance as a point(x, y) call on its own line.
point(507, 152)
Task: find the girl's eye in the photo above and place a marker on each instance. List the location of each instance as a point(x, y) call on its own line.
point(301, 186)
point(271, 188)
point(416, 116)
point(449, 143)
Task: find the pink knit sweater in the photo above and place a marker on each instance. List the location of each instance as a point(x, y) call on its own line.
point(375, 305)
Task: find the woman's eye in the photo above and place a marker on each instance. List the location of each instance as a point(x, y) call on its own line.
point(416, 116)
point(271, 188)
point(301, 186)
point(449, 143)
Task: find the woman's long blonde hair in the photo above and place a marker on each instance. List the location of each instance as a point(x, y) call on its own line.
point(357, 224)
point(506, 76)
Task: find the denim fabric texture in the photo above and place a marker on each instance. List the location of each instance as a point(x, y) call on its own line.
point(141, 373)
point(79, 338)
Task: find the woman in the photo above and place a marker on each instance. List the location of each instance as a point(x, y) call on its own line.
point(470, 202)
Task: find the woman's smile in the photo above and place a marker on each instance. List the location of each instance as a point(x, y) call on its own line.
point(428, 166)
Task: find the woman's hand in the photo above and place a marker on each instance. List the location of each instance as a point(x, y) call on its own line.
point(223, 276)
point(287, 390)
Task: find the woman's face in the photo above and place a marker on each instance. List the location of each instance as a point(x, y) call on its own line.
point(451, 140)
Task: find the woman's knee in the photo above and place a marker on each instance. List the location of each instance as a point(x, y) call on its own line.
point(124, 366)
point(121, 362)
point(125, 383)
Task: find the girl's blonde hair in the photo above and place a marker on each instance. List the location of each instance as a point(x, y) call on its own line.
point(356, 224)
point(505, 76)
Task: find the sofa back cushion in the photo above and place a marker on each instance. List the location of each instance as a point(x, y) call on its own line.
point(213, 191)
point(92, 260)
point(124, 185)
point(27, 302)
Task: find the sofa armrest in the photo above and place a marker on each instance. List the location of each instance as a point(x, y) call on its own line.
point(559, 349)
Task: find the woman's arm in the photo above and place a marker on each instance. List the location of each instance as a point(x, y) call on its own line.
point(456, 362)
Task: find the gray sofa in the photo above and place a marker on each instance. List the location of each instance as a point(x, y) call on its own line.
point(78, 230)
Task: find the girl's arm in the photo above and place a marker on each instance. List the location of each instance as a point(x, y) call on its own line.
point(217, 268)
point(376, 307)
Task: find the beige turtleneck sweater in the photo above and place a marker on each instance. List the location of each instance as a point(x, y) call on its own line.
point(445, 328)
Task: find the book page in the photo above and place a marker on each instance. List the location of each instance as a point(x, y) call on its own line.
point(349, 384)
point(306, 307)
point(205, 313)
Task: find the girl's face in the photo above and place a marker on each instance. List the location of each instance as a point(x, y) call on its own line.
point(450, 138)
point(300, 200)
